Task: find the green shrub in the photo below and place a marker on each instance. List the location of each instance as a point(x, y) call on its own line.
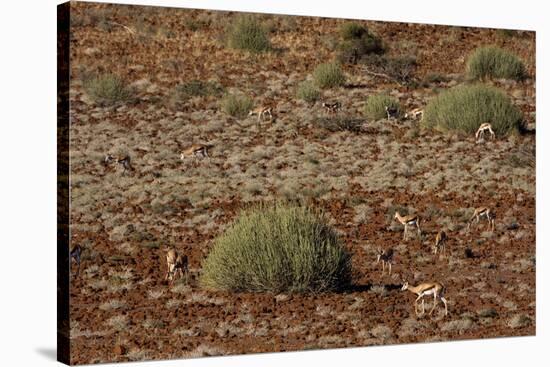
point(278, 248)
point(236, 105)
point(247, 33)
point(375, 108)
point(308, 92)
point(107, 89)
point(466, 107)
point(329, 75)
point(356, 43)
point(494, 62)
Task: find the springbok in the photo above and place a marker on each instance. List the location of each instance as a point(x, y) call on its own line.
point(75, 254)
point(440, 240)
point(332, 108)
point(196, 150)
point(483, 128)
point(176, 263)
point(483, 212)
point(261, 112)
point(391, 111)
point(386, 257)
point(427, 289)
point(408, 220)
point(415, 113)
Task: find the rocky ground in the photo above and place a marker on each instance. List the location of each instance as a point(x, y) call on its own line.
point(121, 308)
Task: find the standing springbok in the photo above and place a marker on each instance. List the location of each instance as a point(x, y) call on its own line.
point(75, 254)
point(483, 212)
point(391, 111)
point(415, 113)
point(483, 128)
point(124, 161)
point(176, 263)
point(386, 257)
point(408, 220)
point(426, 289)
point(440, 240)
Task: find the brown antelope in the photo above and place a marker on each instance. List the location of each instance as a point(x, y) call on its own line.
point(427, 289)
point(261, 112)
point(196, 150)
point(415, 113)
point(386, 257)
point(124, 161)
point(75, 254)
point(391, 111)
point(440, 240)
point(176, 263)
point(483, 212)
point(409, 220)
point(332, 108)
point(486, 127)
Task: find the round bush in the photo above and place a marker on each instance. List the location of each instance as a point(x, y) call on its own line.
point(247, 33)
point(494, 62)
point(375, 108)
point(236, 105)
point(466, 107)
point(107, 89)
point(277, 248)
point(329, 75)
point(357, 43)
point(308, 92)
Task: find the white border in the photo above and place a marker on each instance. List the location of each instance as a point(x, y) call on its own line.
point(28, 274)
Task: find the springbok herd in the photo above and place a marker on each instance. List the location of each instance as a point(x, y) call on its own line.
point(178, 264)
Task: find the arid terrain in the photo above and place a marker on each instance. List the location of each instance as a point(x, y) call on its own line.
point(122, 308)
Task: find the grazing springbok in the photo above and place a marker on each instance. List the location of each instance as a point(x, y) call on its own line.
point(196, 150)
point(386, 257)
point(427, 289)
point(440, 240)
point(261, 112)
point(483, 212)
point(124, 161)
point(75, 254)
point(408, 221)
point(176, 263)
point(332, 108)
point(391, 111)
point(486, 127)
point(415, 113)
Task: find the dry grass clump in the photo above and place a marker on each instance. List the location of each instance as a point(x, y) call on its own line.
point(308, 92)
point(519, 321)
point(247, 33)
point(329, 75)
point(236, 105)
point(495, 62)
point(107, 89)
point(278, 248)
point(340, 123)
point(464, 108)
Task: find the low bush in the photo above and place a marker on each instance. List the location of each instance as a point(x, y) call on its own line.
point(308, 92)
point(399, 68)
point(494, 62)
point(236, 105)
point(107, 89)
point(464, 108)
point(278, 248)
point(247, 33)
point(329, 75)
point(340, 123)
point(357, 42)
point(194, 88)
point(375, 108)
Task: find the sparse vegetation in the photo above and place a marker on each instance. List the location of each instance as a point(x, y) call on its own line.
point(329, 75)
point(107, 89)
point(340, 123)
point(376, 104)
point(308, 92)
point(236, 105)
point(247, 33)
point(194, 88)
point(398, 68)
point(278, 248)
point(464, 108)
point(494, 62)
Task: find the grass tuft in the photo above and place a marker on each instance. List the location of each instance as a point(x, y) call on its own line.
point(308, 92)
point(236, 105)
point(278, 248)
point(107, 89)
point(247, 33)
point(329, 75)
point(375, 106)
point(494, 62)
